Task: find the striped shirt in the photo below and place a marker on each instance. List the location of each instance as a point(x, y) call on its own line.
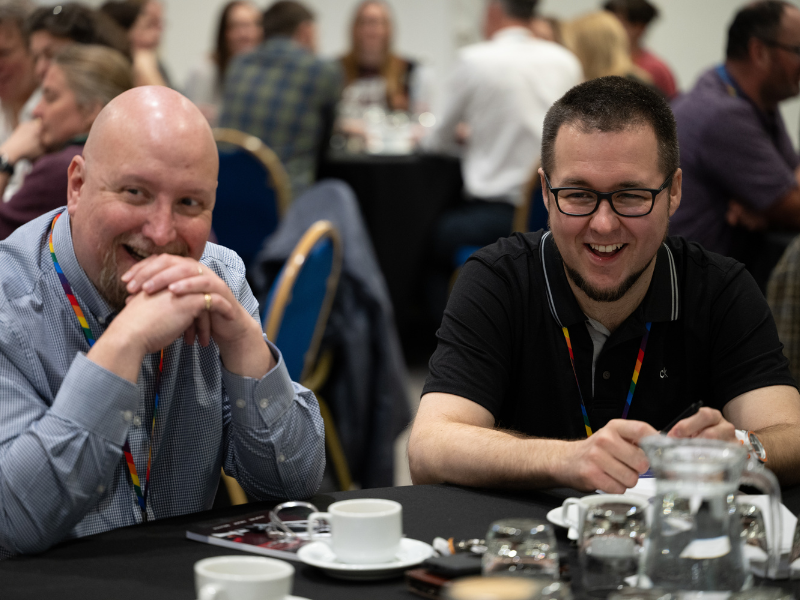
point(63, 418)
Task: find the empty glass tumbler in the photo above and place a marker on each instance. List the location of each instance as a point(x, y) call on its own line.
point(521, 547)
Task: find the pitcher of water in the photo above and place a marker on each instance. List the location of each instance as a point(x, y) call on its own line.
point(695, 540)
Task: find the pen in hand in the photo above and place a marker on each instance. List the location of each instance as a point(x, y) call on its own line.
point(687, 413)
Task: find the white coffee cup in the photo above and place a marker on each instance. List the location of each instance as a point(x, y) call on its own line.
point(242, 578)
point(573, 510)
point(363, 531)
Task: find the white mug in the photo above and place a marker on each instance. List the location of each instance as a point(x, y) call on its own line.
point(573, 510)
point(363, 531)
point(242, 578)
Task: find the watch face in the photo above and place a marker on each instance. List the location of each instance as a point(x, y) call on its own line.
point(758, 449)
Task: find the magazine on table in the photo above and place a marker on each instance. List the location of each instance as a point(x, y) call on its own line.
point(254, 533)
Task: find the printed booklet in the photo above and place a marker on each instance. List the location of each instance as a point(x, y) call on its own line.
point(250, 533)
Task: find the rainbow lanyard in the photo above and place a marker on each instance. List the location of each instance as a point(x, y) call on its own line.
point(634, 379)
point(141, 497)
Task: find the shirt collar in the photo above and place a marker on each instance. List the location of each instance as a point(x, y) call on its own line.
point(514, 32)
point(78, 280)
point(661, 303)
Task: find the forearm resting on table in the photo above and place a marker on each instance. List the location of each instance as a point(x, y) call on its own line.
point(782, 443)
point(456, 443)
point(773, 413)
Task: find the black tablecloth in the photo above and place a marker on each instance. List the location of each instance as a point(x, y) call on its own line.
point(154, 561)
point(401, 197)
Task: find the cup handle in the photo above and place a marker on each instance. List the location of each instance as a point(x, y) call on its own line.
point(209, 592)
point(312, 519)
point(565, 513)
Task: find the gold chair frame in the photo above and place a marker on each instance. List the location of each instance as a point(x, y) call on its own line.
point(523, 210)
point(278, 178)
point(315, 372)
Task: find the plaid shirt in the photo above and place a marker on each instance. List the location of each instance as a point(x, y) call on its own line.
point(278, 94)
point(63, 418)
point(783, 296)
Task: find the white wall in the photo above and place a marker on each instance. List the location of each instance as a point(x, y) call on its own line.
point(690, 35)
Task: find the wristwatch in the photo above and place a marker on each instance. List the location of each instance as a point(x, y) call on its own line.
point(752, 444)
point(6, 166)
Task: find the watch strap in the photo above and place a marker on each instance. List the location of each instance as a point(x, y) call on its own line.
point(6, 166)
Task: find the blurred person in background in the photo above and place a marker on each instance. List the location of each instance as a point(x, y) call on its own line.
point(282, 93)
point(636, 16)
point(79, 82)
point(601, 44)
point(740, 169)
point(17, 77)
point(143, 22)
point(51, 28)
point(547, 28)
point(239, 31)
point(498, 92)
point(373, 73)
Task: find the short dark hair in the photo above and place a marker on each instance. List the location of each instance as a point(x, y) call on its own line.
point(79, 23)
point(760, 20)
point(519, 9)
point(124, 12)
point(611, 104)
point(284, 17)
point(633, 11)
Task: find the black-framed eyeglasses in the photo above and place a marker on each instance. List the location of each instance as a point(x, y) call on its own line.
point(787, 47)
point(582, 202)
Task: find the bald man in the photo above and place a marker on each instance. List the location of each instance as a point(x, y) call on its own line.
point(125, 335)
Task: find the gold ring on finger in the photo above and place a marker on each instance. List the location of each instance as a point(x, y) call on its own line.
point(199, 270)
point(208, 301)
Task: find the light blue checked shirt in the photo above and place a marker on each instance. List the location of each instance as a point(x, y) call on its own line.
point(63, 419)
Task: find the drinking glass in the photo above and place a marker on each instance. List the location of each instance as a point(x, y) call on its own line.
point(610, 545)
point(522, 547)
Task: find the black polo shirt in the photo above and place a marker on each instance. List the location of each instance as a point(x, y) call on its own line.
point(501, 342)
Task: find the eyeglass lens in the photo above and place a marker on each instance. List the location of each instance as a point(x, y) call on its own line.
point(582, 202)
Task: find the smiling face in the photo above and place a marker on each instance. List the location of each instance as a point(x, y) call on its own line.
point(17, 79)
point(145, 33)
point(372, 29)
point(243, 31)
point(62, 118)
point(604, 254)
point(44, 46)
point(152, 194)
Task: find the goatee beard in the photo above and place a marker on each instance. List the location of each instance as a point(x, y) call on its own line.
point(611, 295)
point(109, 284)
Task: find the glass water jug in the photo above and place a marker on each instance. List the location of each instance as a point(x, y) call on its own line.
point(695, 540)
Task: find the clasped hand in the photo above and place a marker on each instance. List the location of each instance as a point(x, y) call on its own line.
point(168, 297)
point(611, 461)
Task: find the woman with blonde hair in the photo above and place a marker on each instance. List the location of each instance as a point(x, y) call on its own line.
point(601, 44)
point(79, 82)
point(374, 75)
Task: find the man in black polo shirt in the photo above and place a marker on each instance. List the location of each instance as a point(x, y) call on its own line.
point(603, 325)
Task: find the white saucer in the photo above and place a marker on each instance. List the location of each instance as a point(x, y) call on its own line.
point(320, 554)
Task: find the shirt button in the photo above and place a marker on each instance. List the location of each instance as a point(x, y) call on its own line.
point(264, 403)
point(127, 416)
point(137, 421)
point(101, 320)
point(241, 403)
point(101, 488)
point(281, 458)
point(606, 375)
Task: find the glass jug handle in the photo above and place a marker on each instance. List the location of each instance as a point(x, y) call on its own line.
point(755, 474)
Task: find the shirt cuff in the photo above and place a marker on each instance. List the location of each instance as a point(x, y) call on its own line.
point(257, 401)
point(98, 400)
